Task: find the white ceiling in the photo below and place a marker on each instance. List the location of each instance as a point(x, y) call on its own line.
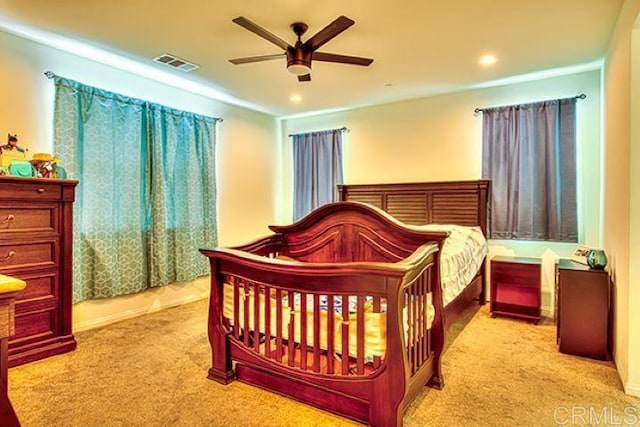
point(420, 47)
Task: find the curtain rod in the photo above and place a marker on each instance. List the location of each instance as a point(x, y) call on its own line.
point(581, 96)
point(343, 129)
point(51, 75)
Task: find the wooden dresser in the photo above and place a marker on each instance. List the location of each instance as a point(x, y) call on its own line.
point(36, 246)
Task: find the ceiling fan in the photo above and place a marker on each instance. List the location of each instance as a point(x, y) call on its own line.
point(300, 55)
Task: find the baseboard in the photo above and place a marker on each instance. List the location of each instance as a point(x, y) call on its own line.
point(107, 320)
point(623, 370)
point(94, 314)
point(547, 311)
point(632, 389)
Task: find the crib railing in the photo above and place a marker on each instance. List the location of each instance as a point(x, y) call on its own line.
point(324, 333)
point(329, 333)
point(417, 298)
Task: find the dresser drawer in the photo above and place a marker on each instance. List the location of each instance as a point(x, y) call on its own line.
point(36, 324)
point(40, 286)
point(31, 191)
point(28, 254)
point(26, 218)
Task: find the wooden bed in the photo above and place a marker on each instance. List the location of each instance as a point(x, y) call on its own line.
point(371, 274)
point(446, 202)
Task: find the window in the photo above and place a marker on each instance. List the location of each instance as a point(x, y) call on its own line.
point(528, 153)
point(317, 168)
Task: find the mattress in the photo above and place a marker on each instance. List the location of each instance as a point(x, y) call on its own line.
point(375, 324)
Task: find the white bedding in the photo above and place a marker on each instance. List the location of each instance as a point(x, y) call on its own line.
point(461, 257)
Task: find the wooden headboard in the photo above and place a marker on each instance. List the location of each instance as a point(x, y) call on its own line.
point(447, 202)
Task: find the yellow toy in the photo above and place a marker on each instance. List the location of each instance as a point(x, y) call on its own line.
point(11, 151)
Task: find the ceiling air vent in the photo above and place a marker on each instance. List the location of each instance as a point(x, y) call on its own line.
point(175, 62)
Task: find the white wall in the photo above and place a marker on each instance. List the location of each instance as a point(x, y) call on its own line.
point(621, 215)
point(247, 154)
point(633, 382)
point(440, 138)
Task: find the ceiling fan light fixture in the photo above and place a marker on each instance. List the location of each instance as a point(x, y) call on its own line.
point(299, 69)
point(300, 55)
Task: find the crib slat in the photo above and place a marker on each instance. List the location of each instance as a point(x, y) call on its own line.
point(303, 331)
point(267, 321)
point(414, 321)
point(427, 284)
point(291, 353)
point(330, 335)
point(236, 308)
point(256, 318)
point(345, 335)
point(316, 333)
point(279, 325)
point(423, 324)
point(245, 324)
point(376, 309)
point(414, 324)
point(419, 322)
point(409, 333)
point(360, 335)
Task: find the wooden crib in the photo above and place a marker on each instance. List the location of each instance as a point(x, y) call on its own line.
point(295, 312)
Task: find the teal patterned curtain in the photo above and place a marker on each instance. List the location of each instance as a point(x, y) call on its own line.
point(183, 194)
point(145, 201)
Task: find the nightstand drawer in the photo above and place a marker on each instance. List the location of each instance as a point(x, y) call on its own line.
point(515, 287)
point(27, 219)
point(28, 254)
point(523, 276)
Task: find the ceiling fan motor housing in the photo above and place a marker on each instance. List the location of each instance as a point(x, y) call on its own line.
point(299, 58)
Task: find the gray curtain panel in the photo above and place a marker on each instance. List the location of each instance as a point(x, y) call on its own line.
point(528, 153)
point(317, 168)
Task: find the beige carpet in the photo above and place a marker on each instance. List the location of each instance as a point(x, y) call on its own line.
point(151, 371)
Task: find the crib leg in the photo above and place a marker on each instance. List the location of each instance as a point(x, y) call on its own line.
point(436, 382)
point(221, 366)
point(221, 370)
point(222, 378)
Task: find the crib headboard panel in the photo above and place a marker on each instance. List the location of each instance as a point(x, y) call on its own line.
point(447, 202)
point(350, 232)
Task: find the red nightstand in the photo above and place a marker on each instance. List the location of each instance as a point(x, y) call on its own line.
point(515, 287)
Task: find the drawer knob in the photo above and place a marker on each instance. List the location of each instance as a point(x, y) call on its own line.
point(8, 256)
point(40, 190)
point(8, 219)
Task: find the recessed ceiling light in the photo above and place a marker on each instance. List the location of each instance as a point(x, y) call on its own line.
point(487, 60)
point(295, 99)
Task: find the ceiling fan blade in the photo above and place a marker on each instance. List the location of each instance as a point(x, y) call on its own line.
point(329, 32)
point(342, 59)
point(255, 28)
point(304, 78)
point(260, 58)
